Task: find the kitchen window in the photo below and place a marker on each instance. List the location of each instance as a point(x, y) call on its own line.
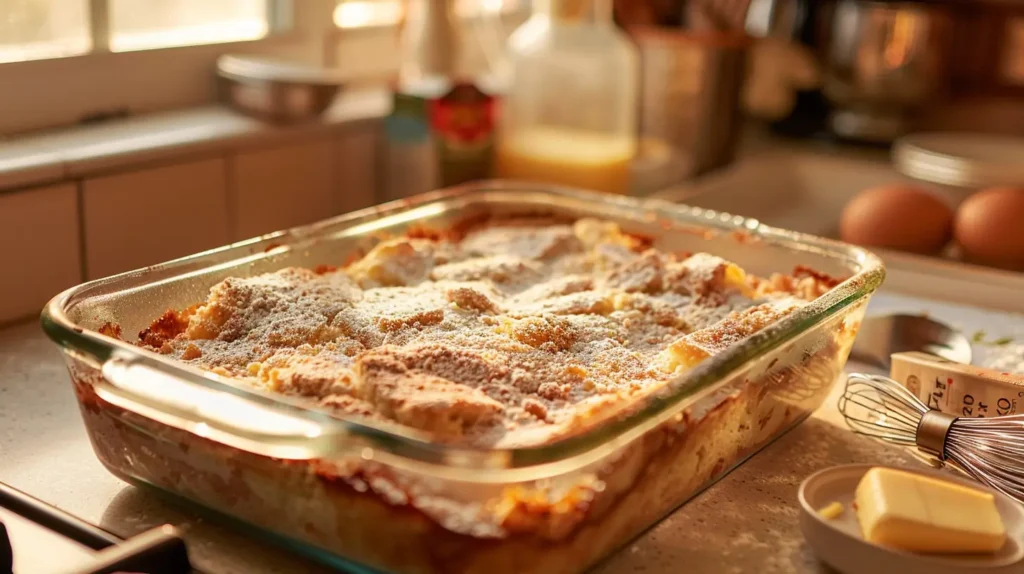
point(67, 61)
point(63, 62)
point(138, 25)
point(38, 29)
point(367, 13)
point(42, 29)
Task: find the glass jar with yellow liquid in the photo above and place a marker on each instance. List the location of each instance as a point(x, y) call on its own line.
point(570, 111)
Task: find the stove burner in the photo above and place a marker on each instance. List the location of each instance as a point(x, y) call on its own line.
point(36, 538)
point(6, 553)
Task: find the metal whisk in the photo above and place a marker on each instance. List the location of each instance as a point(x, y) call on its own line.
point(989, 449)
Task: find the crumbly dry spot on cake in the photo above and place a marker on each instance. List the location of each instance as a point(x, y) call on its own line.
point(501, 269)
point(384, 313)
point(704, 276)
point(545, 332)
point(638, 309)
point(804, 283)
point(396, 262)
point(349, 404)
point(513, 334)
point(556, 286)
point(470, 299)
point(419, 397)
point(527, 242)
point(284, 308)
point(581, 303)
point(739, 325)
point(536, 408)
point(471, 367)
point(645, 274)
point(611, 256)
point(305, 372)
point(420, 318)
point(352, 406)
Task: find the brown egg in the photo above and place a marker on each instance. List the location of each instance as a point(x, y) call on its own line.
point(897, 216)
point(990, 227)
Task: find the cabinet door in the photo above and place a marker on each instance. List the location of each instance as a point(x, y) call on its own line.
point(145, 217)
point(356, 172)
point(282, 187)
point(41, 254)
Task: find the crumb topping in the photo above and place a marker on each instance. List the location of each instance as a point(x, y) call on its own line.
point(511, 335)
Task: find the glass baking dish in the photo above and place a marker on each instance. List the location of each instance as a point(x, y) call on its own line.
point(359, 496)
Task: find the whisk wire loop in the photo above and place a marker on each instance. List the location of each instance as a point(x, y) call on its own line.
point(989, 449)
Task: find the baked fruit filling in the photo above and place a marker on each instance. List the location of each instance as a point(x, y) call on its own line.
point(511, 333)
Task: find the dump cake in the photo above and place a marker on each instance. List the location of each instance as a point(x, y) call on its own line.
point(510, 333)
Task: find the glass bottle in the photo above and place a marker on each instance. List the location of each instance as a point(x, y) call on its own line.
point(441, 129)
point(429, 47)
point(569, 116)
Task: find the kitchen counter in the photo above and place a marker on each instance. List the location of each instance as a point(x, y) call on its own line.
point(747, 522)
point(86, 150)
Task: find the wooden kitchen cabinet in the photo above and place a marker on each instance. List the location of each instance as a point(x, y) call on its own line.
point(282, 187)
point(41, 254)
point(149, 216)
point(356, 167)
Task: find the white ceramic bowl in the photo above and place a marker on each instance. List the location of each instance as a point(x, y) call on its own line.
point(839, 543)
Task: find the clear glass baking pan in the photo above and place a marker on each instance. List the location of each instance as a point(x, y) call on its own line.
point(359, 496)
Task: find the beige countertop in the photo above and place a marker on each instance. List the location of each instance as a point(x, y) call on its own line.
point(747, 522)
point(78, 151)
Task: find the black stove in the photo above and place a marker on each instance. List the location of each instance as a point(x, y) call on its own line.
point(36, 538)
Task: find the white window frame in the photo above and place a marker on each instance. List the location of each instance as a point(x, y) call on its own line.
point(379, 42)
point(39, 94)
point(54, 93)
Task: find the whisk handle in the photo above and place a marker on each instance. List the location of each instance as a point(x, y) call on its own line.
point(932, 431)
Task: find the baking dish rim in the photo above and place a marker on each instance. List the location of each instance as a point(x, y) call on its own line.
point(413, 449)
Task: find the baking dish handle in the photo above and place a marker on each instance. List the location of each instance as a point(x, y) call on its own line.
point(218, 414)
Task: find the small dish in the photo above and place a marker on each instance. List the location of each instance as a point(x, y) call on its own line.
point(839, 543)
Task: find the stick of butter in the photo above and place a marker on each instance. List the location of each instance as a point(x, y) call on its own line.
point(922, 514)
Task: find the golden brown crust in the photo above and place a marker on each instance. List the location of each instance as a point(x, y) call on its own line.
point(504, 333)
